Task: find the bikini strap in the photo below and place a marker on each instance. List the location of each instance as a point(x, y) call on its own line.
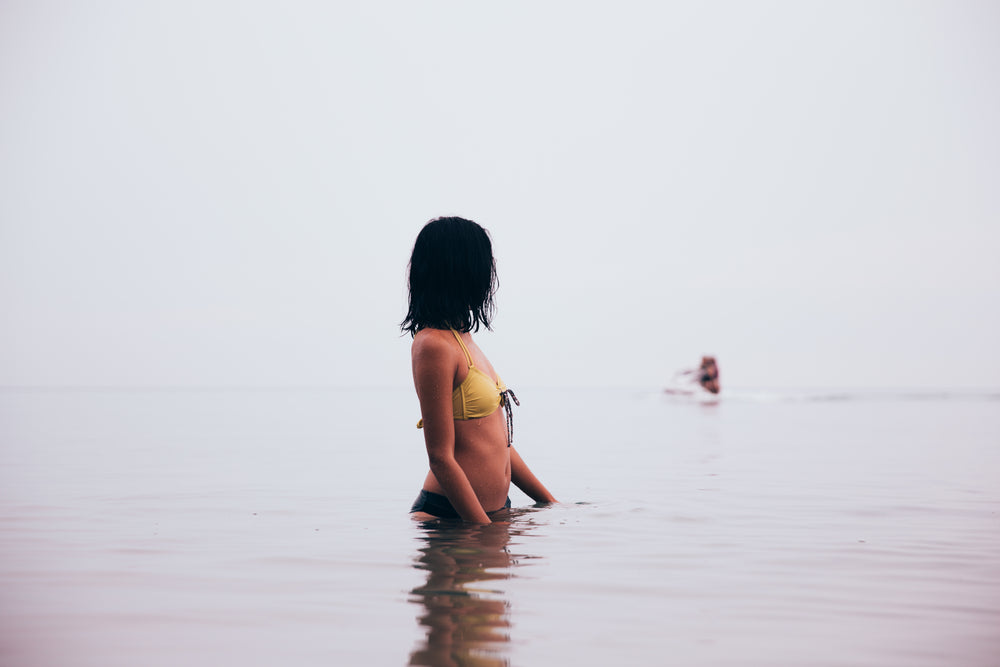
point(464, 349)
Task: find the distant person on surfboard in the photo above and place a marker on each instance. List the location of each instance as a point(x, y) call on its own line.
point(707, 375)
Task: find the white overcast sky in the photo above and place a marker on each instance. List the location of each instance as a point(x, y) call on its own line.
point(226, 193)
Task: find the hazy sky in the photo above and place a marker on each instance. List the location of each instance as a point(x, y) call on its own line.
point(226, 193)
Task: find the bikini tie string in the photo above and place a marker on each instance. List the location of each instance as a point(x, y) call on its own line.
point(506, 397)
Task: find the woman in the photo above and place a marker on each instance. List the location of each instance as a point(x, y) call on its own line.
point(452, 279)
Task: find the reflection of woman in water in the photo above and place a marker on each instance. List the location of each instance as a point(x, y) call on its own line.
point(452, 279)
point(466, 623)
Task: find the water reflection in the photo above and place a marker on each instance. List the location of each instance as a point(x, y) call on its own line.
point(467, 621)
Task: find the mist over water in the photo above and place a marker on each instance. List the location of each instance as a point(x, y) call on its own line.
point(262, 526)
point(227, 193)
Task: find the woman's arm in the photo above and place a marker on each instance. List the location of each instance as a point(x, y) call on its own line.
point(434, 366)
point(525, 480)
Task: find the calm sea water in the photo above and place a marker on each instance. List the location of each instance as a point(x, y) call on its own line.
point(243, 527)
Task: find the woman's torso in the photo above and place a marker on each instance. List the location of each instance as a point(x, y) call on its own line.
point(480, 442)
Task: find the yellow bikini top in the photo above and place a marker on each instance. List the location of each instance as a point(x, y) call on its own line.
point(477, 396)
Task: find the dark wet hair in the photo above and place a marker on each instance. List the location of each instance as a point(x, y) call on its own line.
point(452, 277)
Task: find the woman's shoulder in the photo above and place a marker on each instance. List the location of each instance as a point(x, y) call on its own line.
point(433, 342)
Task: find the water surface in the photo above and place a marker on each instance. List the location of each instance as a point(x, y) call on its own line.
point(261, 527)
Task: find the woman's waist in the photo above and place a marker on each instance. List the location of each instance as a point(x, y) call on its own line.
point(490, 496)
point(485, 469)
point(486, 457)
point(490, 481)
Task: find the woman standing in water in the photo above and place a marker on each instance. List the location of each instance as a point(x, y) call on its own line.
point(452, 279)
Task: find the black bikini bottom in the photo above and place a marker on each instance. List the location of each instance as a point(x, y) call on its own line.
point(439, 506)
